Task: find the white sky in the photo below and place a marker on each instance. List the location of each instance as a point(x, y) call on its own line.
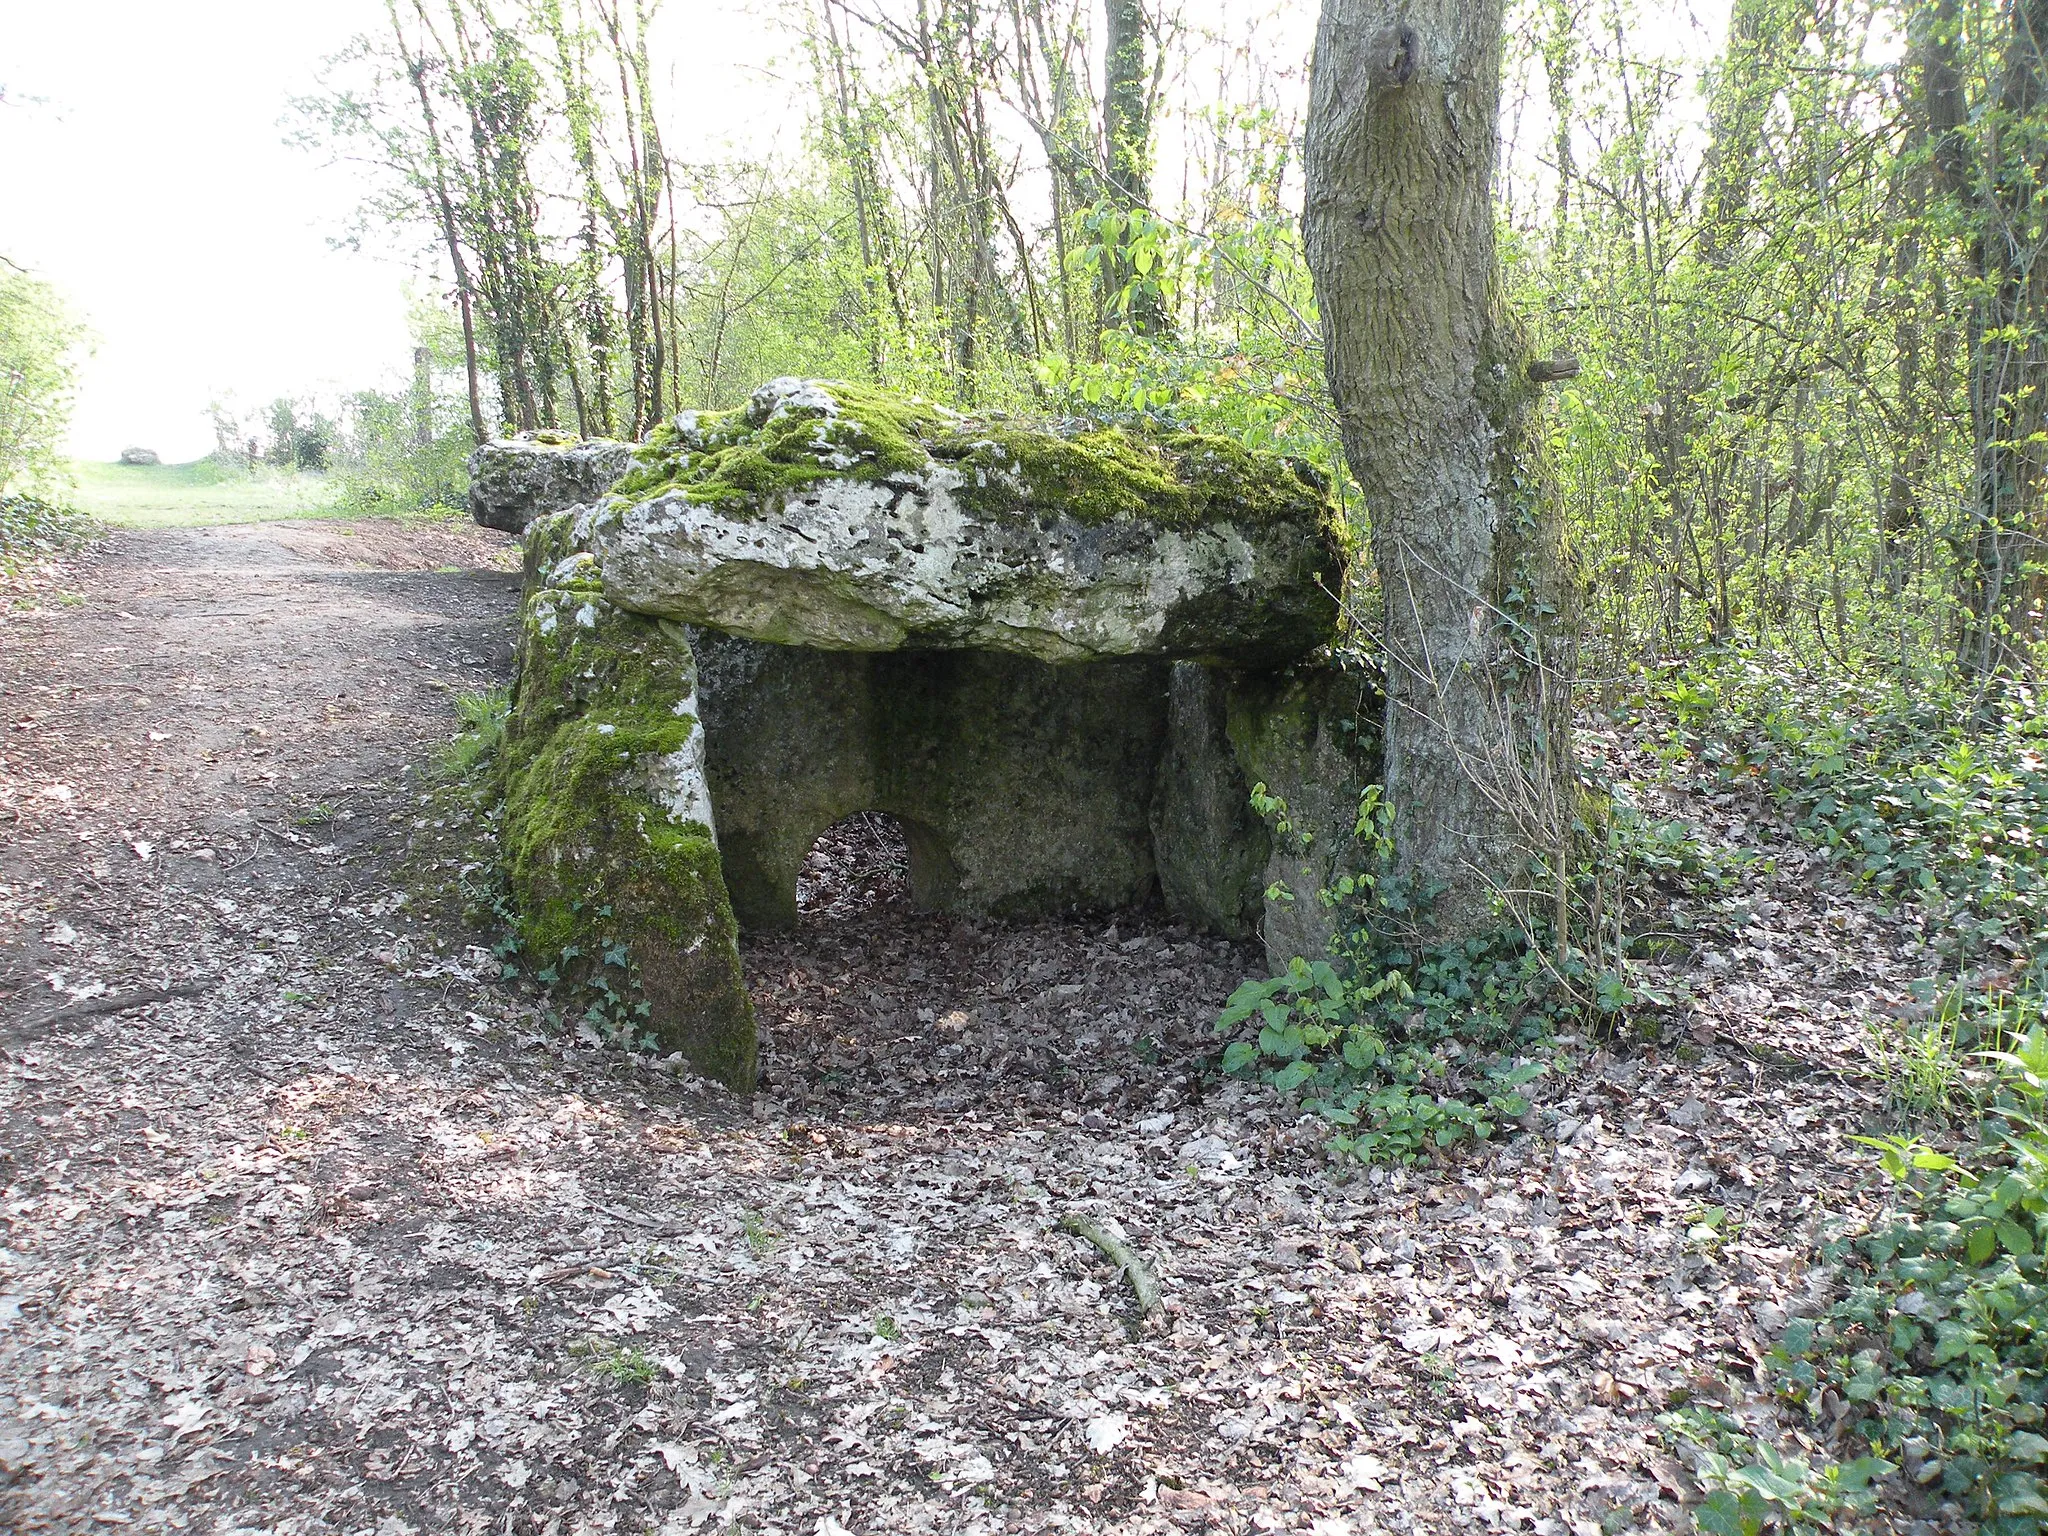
point(151, 184)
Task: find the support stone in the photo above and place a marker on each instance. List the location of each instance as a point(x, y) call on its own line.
point(610, 853)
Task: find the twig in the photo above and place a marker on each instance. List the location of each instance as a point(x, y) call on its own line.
point(115, 1002)
point(1119, 1253)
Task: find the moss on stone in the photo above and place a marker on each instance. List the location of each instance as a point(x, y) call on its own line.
point(604, 880)
point(828, 431)
point(546, 541)
point(577, 649)
point(799, 433)
point(1176, 479)
point(614, 882)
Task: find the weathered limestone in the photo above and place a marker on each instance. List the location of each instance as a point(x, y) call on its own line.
point(1061, 661)
point(514, 480)
point(1309, 736)
point(1023, 789)
point(839, 519)
point(610, 852)
point(140, 456)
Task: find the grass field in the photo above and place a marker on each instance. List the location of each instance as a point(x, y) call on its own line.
point(182, 495)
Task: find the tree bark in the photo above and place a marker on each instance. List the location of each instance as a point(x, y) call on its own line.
point(1989, 164)
point(1429, 374)
point(1127, 144)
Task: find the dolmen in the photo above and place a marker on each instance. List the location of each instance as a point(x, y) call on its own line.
point(1062, 657)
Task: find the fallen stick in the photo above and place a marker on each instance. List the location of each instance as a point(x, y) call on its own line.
point(114, 1002)
point(1119, 1253)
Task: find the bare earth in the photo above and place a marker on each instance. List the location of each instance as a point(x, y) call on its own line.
point(351, 1240)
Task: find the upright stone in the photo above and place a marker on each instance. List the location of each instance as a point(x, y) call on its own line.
point(613, 863)
point(1308, 735)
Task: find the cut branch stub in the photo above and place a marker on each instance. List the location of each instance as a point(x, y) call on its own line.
point(1397, 58)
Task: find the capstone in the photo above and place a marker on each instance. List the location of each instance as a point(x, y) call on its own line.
point(832, 517)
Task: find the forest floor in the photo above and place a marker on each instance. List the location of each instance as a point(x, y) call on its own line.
point(345, 1238)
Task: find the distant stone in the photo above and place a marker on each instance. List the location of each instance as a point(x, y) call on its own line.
point(139, 456)
point(514, 480)
point(842, 518)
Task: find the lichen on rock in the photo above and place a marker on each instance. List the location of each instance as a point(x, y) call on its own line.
point(843, 518)
point(514, 480)
point(607, 829)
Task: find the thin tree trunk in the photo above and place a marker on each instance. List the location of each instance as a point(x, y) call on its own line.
point(1429, 374)
point(1127, 144)
point(444, 210)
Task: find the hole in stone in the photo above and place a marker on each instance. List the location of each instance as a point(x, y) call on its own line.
point(855, 865)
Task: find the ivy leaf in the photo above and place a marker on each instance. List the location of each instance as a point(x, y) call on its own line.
point(1983, 1243)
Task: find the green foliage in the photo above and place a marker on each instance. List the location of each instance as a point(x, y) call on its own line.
point(1919, 792)
point(474, 748)
point(402, 456)
point(1404, 1052)
point(33, 529)
point(1938, 1346)
point(1753, 1487)
point(621, 1364)
point(1405, 1057)
point(39, 343)
point(1407, 1050)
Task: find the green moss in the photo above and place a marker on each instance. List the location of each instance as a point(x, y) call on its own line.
point(1178, 479)
point(545, 542)
point(621, 899)
point(577, 649)
point(755, 458)
point(738, 457)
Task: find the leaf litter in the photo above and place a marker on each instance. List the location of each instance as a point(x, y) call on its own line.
point(352, 1240)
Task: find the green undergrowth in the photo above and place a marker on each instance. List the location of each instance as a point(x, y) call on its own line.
point(1924, 1385)
point(1927, 1381)
point(1917, 793)
point(33, 530)
point(1091, 472)
point(1408, 1050)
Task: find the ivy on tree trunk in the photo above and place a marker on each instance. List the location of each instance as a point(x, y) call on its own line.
point(1430, 375)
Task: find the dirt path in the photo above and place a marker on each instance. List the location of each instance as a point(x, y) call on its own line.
point(349, 1241)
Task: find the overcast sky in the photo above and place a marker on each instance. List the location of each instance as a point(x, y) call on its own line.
point(143, 171)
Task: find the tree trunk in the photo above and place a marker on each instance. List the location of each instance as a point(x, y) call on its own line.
point(1127, 142)
point(1430, 377)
